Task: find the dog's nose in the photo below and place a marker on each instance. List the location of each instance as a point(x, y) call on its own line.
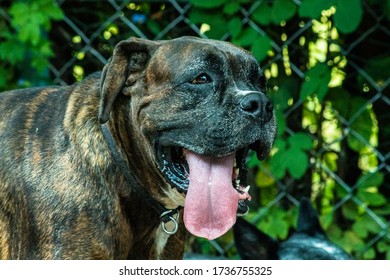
point(257, 105)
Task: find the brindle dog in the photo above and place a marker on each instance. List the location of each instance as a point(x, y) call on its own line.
point(166, 123)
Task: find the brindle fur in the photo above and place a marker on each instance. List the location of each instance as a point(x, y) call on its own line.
point(61, 194)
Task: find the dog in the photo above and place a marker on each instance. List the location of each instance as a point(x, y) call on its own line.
point(308, 242)
point(125, 163)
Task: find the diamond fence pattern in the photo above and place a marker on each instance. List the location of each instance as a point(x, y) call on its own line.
point(84, 40)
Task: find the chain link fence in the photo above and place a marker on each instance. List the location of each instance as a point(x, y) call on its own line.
point(83, 41)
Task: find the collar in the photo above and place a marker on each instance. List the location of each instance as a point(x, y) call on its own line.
point(166, 215)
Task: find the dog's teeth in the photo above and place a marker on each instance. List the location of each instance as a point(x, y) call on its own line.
point(247, 189)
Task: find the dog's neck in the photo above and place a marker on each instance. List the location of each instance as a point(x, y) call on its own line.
point(144, 169)
point(142, 213)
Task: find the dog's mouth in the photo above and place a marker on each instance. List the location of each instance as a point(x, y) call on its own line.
point(215, 187)
point(176, 171)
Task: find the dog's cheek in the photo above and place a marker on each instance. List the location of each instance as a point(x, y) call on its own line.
point(148, 132)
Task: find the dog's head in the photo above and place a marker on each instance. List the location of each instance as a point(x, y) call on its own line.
point(309, 242)
point(199, 106)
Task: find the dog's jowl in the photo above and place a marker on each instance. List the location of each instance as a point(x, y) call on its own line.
point(123, 163)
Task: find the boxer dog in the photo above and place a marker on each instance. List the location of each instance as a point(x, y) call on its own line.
point(123, 163)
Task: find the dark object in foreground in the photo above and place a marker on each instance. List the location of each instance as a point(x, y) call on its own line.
point(309, 242)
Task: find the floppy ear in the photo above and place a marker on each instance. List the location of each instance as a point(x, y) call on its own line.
point(126, 65)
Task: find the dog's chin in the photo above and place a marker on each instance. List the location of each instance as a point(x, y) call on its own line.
point(172, 161)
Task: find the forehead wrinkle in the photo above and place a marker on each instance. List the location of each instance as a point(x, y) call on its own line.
point(158, 69)
point(185, 56)
point(245, 67)
point(202, 57)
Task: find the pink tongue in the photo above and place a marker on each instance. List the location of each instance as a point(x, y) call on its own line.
point(211, 201)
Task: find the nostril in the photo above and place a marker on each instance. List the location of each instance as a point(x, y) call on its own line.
point(257, 105)
point(251, 104)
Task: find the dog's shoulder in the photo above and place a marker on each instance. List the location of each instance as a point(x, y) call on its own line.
point(42, 115)
point(26, 95)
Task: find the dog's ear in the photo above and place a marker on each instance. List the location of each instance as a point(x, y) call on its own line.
point(126, 65)
point(253, 244)
point(308, 221)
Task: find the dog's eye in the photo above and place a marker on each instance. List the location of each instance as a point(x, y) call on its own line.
point(201, 79)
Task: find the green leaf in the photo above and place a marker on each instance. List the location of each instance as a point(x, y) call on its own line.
point(260, 47)
point(231, 8)
point(55, 11)
point(350, 211)
point(283, 10)
point(217, 27)
point(339, 99)
point(383, 211)
point(280, 96)
point(262, 14)
point(383, 246)
point(280, 144)
point(275, 223)
point(298, 163)
point(348, 107)
point(153, 26)
point(292, 159)
point(30, 32)
point(278, 163)
point(12, 51)
point(326, 220)
point(246, 37)
point(351, 241)
point(362, 124)
point(17, 10)
point(40, 13)
point(235, 26)
point(198, 16)
point(3, 77)
point(207, 4)
point(263, 178)
point(281, 121)
point(331, 160)
point(371, 198)
point(348, 15)
point(301, 141)
point(360, 228)
point(313, 8)
point(316, 82)
point(371, 180)
point(371, 224)
point(217, 22)
point(369, 254)
point(377, 67)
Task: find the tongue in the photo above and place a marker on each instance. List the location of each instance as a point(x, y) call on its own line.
point(211, 201)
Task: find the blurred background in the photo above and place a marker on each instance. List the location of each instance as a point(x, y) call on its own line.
point(328, 70)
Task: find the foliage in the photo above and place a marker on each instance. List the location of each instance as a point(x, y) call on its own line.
point(25, 48)
point(318, 140)
point(328, 91)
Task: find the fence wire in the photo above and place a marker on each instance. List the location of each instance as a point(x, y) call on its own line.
point(84, 40)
